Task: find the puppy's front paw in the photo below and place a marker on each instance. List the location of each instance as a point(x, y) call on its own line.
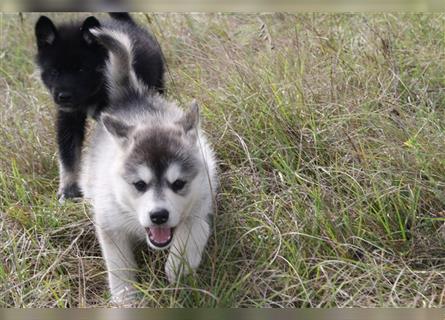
point(71, 191)
point(126, 297)
point(174, 268)
point(178, 267)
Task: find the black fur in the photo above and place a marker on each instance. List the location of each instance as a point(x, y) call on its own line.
point(123, 16)
point(70, 135)
point(72, 68)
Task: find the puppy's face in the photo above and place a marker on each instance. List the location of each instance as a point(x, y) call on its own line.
point(71, 61)
point(157, 178)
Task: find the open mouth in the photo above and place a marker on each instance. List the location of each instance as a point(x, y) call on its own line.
point(160, 237)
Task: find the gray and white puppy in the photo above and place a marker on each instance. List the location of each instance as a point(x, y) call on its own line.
point(149, 173)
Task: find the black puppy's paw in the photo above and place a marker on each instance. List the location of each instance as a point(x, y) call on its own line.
point(71, 191)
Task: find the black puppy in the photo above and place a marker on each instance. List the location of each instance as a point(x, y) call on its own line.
point(72, 68)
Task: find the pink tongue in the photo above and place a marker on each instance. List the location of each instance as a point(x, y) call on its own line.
point(160, 235)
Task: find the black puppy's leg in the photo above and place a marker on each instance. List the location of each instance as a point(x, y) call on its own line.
point(70, 134)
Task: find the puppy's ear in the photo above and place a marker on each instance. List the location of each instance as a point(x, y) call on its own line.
point(119, 130)
point(45, 31)
point(190, 121)
point(88, 24)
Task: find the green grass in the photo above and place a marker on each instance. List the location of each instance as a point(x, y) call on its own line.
point(330, 135)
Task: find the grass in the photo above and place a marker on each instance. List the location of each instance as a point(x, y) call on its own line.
point(330, 134)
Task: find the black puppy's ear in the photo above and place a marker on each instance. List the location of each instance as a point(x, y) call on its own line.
point(88, 24)
point(46, 32)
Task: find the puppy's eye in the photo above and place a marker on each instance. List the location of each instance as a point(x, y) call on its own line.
point(140, 186)
point(54, 72)
point(178, 185)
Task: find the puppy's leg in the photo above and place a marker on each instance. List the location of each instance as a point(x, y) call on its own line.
point(121, 265)
point(70, 135)
point(187, 247)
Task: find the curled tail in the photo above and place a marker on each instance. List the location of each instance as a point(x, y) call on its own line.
point(119, 70)
point(122, 16)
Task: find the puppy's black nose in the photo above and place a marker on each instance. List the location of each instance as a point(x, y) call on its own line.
point(64, 96)
point(159, 216)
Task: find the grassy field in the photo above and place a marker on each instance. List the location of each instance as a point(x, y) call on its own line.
point(330, 134)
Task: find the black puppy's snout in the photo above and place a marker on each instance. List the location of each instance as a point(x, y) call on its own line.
point(159, 216)
point(64, 96)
